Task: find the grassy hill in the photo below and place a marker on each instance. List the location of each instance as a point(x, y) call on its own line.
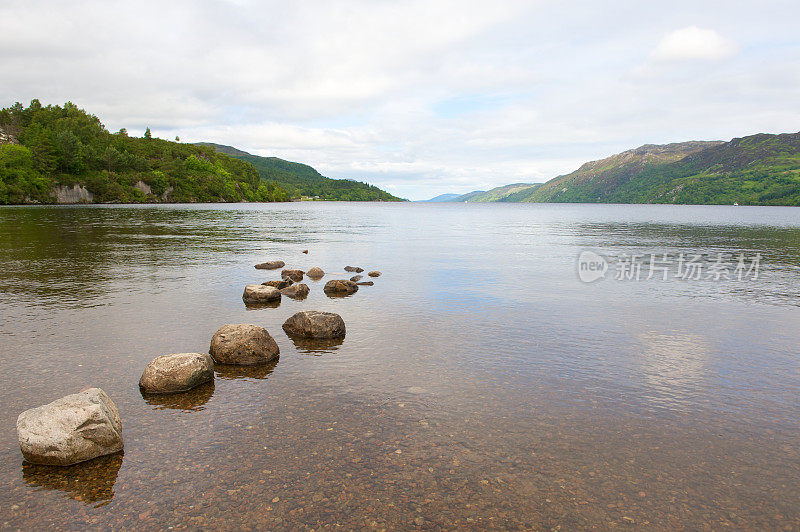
point(594, 180)
point(302, 180)
point(47, 151)
point(761, 169)
point(501, 193)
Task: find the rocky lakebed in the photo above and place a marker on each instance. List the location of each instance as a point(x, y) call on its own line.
point(87, 425)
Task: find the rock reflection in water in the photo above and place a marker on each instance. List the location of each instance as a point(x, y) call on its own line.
point(90, 482)
point(231, 372)
point(259, 306)
point(317, 346)
point(192, 400)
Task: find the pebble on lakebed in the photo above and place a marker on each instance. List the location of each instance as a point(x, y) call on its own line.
point(315, 324)
point(177, 372)
point(244, 345)
point(73, 429)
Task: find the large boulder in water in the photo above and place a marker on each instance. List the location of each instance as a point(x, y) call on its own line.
point(315, 273)
point(340, 287)
point(178, 372)
point(72, 429)
point(243, 345)
point(315, 324)
point(258, 293)
point(270, 265)
point(294, 275)
point(296, 291)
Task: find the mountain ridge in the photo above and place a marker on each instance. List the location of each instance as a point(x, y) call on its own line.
point(760, 169)
point(302, 180)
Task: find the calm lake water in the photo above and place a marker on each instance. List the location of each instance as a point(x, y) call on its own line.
point(481, 384)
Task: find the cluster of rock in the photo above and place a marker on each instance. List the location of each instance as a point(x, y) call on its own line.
point(270, 292)
point(86, 425)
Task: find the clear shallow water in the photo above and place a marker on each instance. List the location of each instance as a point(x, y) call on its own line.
point(516, 395)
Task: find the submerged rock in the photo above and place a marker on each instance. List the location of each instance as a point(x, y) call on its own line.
point(340, 287)
point(270, 265)
point(315, 324)
point(294, 275)
point(297, 291)
point(72, 429)
point(374, 273)
point(356, 278)
point(283, 283)
point(365, 283)
point(178, 372)
point(315, 273)
point(243, 344)
point(258, 293)
point(354, 269)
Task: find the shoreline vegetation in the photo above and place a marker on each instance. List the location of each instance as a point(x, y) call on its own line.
point(64, 155)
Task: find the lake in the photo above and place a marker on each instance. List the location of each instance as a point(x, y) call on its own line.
point(483, 383)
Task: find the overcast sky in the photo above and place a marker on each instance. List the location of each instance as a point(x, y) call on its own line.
point(417, 97)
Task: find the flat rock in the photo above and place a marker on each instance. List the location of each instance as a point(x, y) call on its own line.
point(374, 273)
point(258, 293)
point(70, 430)
point(294, 275)
point(356, 278)
point(315, 273)
point(177, 373)
point(243, 345)
point(270, 265)
point(315, 324)
point(283, 283)
point(296, 291)
point(355, 269)
point(340, 287)
point(365, 283)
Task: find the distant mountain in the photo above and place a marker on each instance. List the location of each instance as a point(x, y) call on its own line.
point(762, 169)
point(443, 198)
point(596, 179)
point(499, 193)
point(302, 180)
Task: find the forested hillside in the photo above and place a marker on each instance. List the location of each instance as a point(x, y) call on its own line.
point(45, 150)
point(303, 180)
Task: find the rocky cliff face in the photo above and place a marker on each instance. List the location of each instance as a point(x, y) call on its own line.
point(6, 137)
point(74, 194)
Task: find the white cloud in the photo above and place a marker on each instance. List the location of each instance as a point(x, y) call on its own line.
point(694, 43)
